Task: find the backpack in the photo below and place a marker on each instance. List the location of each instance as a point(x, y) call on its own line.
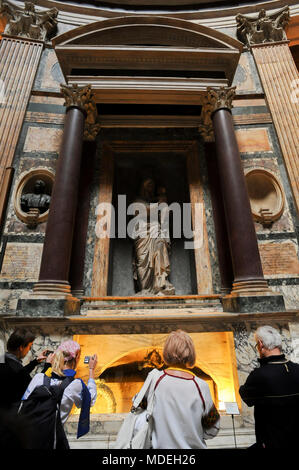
point(40, 415)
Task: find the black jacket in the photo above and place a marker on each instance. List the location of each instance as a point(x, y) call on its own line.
point(273, 390)
point(14, 379)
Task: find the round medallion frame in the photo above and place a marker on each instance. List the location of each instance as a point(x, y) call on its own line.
point(265, 194)
point(26, 181)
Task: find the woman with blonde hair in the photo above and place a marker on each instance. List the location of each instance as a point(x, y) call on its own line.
point(63, 364)
point(184, 414)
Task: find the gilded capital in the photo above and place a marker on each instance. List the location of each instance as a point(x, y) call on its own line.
point(264, 28)
point(76, 96)
point(83, 98)
point(27, 22)
point(216, 98)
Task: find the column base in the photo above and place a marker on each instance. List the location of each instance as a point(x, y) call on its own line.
point(257, 287)
point(47, 307)
point(254, 303)
point(252, 296)
point(49, 298)
point(79, 293)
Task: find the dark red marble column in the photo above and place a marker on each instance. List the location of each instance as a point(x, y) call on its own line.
point(223, 250)
point(81, 225)
point(55, 264)
point(248, 273)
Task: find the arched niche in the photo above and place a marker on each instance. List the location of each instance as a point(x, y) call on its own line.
point(121, 379)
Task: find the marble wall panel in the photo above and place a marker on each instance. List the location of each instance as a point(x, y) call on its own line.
point(290, 294)
point(49, 75)
point(43, 139)
point(246, 78)
point(21, 261)
point(286, 228)
point(9, 295)
point(253, 140)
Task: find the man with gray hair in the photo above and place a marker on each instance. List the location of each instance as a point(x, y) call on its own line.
point(273, 390)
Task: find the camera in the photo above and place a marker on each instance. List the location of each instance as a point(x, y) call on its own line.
point(48, 352)
point(86, 359)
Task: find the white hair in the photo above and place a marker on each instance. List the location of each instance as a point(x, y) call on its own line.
point(269, 336)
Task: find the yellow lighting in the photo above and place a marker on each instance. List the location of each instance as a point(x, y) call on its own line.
point(125, 360)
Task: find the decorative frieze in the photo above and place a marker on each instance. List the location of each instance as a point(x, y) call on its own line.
point(252, 140)
point(263, 28)
point(43, 139)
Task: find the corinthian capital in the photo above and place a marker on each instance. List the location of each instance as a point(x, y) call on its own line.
point(263, 28)
point(27, 22)
point(218, 98)
point(76, 96)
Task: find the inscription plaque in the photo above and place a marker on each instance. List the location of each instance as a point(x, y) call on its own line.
point(22, 261)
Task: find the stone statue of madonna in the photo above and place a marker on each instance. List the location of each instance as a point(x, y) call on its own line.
point(151, 265)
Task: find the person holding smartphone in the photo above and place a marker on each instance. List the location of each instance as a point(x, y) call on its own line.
point(15, 377)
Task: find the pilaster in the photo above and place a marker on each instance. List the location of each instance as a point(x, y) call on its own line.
point(21, 47)
point(265, 36)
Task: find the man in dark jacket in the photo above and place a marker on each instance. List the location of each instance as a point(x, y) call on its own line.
point(14, 377)
point(273, 390)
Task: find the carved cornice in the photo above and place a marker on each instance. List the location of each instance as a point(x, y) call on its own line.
point(27, 22)
point(84, 99)
point(264, 28)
